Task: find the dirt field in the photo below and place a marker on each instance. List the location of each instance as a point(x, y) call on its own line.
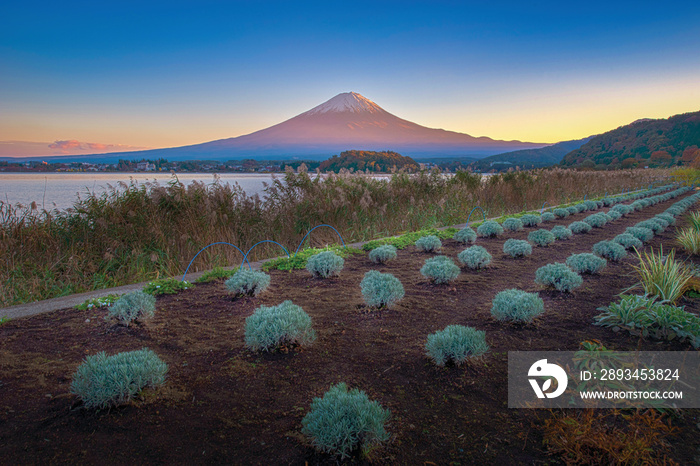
point(224, 404)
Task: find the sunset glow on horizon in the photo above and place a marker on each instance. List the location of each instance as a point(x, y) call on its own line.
point(148, 75)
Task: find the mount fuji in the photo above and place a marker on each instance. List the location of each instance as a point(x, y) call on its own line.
point(348, 121)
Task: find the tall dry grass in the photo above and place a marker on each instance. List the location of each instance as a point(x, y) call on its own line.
point(138, 232)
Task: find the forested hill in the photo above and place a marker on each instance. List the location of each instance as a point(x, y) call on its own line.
point(654, 143)
point(368, 160)
point(528, 158)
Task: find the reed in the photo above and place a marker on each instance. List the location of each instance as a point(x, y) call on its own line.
point(136, 232)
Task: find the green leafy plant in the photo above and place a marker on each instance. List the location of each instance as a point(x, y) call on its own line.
point(694, 219)
point(166, 286)
point(344, 420)
point(573, 210)
point(325, 264)
point(610, 250)
point(456, 344)
point(579, 227)
point(475, 257)
point(4, 320)
point(531, 220)
point(383, 254)
point(489, 228)
point(643, 315)
point(516, 306)
point(97, 302)
point(642, 234)
point(561, 232)
point(465, 235)
point(215, 274)
point(541, 237)
point(271, 327)
point(429, 243)
point(517, 248)
point(381, 289)
point(559, 276)
point(661, 276)
point(628, 241)
point(102, 381)
point(586, 263)
point(440, 270)
point(132, 306)
point(689, 240)
point(247, 282)
point(512, 224)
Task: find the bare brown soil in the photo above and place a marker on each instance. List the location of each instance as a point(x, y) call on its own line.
point(224, 404)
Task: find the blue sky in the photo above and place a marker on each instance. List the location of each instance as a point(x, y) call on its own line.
point(160, 74)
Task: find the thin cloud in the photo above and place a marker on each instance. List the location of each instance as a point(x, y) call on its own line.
point(72, 146)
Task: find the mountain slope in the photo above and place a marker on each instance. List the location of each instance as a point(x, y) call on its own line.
point(347, 121)
point(665, 139)
point(529, 158)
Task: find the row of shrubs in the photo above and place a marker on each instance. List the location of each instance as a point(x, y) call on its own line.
point(343, 419)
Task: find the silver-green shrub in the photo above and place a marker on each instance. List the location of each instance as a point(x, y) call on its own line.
point(579, 227)
point(572, 210)
point(381, 289)
point(613, 215)
point(383, 254)
point(430, 243)
point(559, 276)
point(591, 205)
point(637, 205)
point(132, 306)
point(465, 235)
point(475, 257)
point(548, 217)
point(512, 224)
point(273, 326)
point(561, 232)
point(610, 250)
point(531, 220)
point(628, 241)
point(489, 228)
point(655, 224)
point(456, 344)
point(344, 420)
point(581, 207)
point(102, 381)
point(597, 220)
point(561, 213)
point(541, 237)
point(670, 219)
point(440, 269)
point(642, 234)
point(622, 209)
point(517, 248)
point(516, 306)
point(586, 263)
point(247, 282)
point(325, 264)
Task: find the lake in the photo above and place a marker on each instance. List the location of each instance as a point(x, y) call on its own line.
point(60, 190)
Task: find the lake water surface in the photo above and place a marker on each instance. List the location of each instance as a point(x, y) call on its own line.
point(60, 190)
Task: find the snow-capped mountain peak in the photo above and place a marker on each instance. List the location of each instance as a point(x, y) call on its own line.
point(346, 102)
